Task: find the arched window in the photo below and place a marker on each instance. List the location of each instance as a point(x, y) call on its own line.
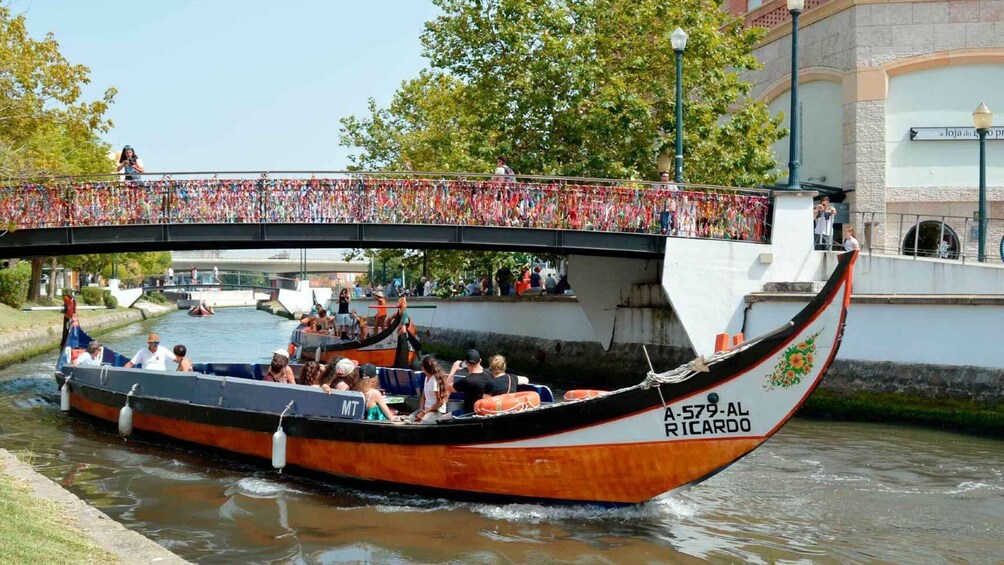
point(935, 240)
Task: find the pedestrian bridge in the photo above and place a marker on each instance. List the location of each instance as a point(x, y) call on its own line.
point(544, 215)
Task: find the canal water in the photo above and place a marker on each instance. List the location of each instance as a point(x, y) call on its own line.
point(819, 492)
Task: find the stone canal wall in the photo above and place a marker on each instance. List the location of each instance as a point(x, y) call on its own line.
point(16, 346)
point(931, 348)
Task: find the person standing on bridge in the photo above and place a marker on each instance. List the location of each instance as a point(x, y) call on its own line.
point(194, 274)
point(130, 163)
point(216, 275)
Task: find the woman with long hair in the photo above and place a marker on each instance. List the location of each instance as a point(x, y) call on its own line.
point(376, 405)
point(310, 374)
point(342, 318)
point(130, 163)
point(434, 394)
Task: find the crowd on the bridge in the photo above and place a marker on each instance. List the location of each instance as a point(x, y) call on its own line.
point(661, 208)
point(537, 280)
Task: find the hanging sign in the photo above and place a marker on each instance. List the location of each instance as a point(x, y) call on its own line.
point(953, 134)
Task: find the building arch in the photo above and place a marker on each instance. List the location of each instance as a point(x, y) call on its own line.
point(811, 74)
point(934, 239)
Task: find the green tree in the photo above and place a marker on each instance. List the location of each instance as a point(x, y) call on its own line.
point(575, 87)
point(45, 127)
point(132, 267)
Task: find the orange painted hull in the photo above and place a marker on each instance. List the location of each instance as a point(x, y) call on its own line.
point(620, 473)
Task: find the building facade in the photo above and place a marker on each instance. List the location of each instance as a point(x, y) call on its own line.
point(887, 89)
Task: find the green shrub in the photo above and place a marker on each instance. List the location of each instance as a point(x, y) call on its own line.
point(92, 295)
point(14, 284)
point(111, 301)
point(155, 297)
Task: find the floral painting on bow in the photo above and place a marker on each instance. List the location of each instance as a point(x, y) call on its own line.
point(795, 363)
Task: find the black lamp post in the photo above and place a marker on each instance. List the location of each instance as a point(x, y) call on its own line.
point(795, 9)
point(679, 40)
point(983, 119)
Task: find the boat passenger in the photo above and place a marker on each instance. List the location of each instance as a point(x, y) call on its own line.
point(322, 320)
point(376, 406)
point(310, 374)
point(434, 394)
point(91, 357)
point(154, 357)
point(502, 382)
point(184, 364)
point(342, 318)
point(476, 386)
point(359, 326)
point(381, 311)
point(346, 376)
point(279, 370)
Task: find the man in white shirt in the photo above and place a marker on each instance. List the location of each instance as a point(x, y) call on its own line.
point(91, 357)
point(154, 357)
point(824, 214)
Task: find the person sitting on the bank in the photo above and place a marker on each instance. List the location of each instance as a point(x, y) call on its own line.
point(91, 357)
point(434, 394)
point(551, 284)
point(279, 370)
point(153, 357)
point(475, 386)
point(376, 405)
point(850, 242)
point(184, 364)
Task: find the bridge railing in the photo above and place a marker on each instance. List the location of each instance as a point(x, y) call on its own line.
point(391, 198)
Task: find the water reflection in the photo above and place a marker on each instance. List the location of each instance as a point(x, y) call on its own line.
point(818, 492)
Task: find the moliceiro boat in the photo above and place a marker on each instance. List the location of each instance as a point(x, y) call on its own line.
point(621, 447)
point(201, 309)
point(388, 348)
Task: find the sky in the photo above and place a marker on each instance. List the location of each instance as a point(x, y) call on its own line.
point(225, 85)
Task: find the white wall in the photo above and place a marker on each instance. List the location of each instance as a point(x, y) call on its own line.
point(923, 334)
point(942, 97)
point(707, 281)
point(821, 128)
point(896, 274)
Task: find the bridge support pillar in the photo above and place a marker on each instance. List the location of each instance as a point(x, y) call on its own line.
point(604, 283)
point(707, 280)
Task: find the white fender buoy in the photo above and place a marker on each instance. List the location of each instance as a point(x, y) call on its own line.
point(125, 421)
point(125, 414)
point(279, 442)
point(64, 396)
point(279, 449)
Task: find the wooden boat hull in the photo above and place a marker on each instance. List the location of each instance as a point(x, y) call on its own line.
point(620, 448)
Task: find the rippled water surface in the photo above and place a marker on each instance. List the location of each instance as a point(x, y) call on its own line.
point(818, 492)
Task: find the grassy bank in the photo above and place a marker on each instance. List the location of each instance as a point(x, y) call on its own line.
point(34, 530)
point(13, 321)
point(955, 415)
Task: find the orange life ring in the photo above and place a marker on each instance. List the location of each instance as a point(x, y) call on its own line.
point(504, 403)
point(583, 394)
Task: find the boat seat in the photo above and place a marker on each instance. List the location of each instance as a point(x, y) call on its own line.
point(545, 392)
point(398, 382)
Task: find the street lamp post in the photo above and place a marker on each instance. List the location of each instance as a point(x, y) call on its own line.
point(983, 119)
point(679, 40)
point(795, 9)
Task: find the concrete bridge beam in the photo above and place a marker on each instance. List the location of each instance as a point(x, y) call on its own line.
point(604, 283)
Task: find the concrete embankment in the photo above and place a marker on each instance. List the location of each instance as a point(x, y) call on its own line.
point(71, 512)
point(19, 345)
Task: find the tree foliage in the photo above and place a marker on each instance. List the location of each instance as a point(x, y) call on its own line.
point(575, 87)
point(132, 267)
point(45, 126)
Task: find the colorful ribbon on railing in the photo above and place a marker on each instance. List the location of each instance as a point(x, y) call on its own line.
point(548, 205)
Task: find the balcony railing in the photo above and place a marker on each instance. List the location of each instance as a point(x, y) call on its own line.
point(471, 200)
point(926, 235)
